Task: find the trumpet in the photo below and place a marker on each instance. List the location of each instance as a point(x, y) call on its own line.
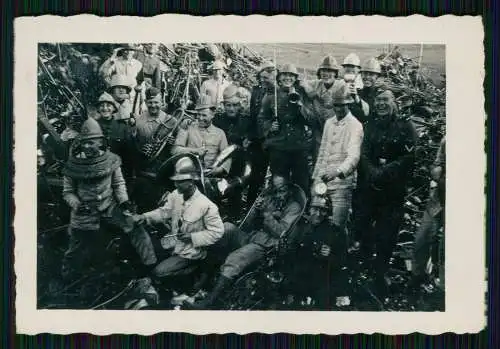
point(293, 96)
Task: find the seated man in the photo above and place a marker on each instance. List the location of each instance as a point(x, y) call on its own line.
point(273, 215)
point(194, 220)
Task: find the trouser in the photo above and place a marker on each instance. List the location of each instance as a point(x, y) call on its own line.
point(424, 239)
point(244, 252)
point(176, 265)
point(259, 159)
point(376, 223)
point(90, 243)
point(294, 162)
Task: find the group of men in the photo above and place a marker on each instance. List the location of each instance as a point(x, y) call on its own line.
point(349, 126)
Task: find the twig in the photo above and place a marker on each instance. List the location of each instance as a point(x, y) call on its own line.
point(118, 295)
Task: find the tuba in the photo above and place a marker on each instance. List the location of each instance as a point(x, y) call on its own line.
point(293, 96)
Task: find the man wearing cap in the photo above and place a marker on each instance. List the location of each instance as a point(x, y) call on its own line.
point(370, 73)
point(120, 90)
point(338, 158)
point(215, 86)
point(204, 139)
point(320, 92)
point(150, 73)
point(117, 132)
point(385, 166)
point(266, 76)
point(154, 123)
point(122, 62)
point(95, 190)
point(282, 122)
point(194, 220)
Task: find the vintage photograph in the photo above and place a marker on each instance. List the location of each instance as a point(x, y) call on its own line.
point(231, 176)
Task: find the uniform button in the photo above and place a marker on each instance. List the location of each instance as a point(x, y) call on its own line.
point(99, 197)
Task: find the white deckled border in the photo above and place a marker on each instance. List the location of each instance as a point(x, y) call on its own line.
point(466, 161)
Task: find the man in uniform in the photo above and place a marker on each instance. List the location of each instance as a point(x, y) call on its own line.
point(95, 190)
point(194, 220)
point(150, 73)
point(338, 158)
point(204, 139)
point(386, 165)
point(274, 214)
point(122, 63)
point(370, 72)
point(266, 76)
point(215, 86)
point(117, 132)
point(282, 122)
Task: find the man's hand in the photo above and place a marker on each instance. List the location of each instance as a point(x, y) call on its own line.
point(275, 126)
point(218, 171)
point(352, 89)
point(170, 140)
point(259, 203)
point(327, 177)
point(184, 237)
point(138, 88)
point(139, 219)
point(246, 143)
point(126, 208)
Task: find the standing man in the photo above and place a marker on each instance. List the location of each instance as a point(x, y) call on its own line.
point(321, 92)
point(282, 121)
point(338, 159)
point(204, 139)
point(123, 63)
point(432, 219)
point(385, 167)
point(352, 65)
point(215, 86)
point(194, 220)
point(266, 76)
point(370, 72)
point(150, 73)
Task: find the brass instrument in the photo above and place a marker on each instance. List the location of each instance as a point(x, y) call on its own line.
point(155, 147)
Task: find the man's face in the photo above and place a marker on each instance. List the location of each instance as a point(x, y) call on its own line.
point(383, 105)
point(106, 110)
point(205, 117)
point(217, 73)
point(128, 54)
point(287, 79)
point(280, 188)
point(341, 110)
point(120, 93)
point(154, 106)
point(327, 75)
point(149, 48)
point(350, 69)
point(232, 108)
point(184, 186)
point(91, 147)
point(268, 75)
point(369, 78)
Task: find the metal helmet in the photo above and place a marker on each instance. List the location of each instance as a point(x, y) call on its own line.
point(90, 130)
point(185, 169)
point(218, 65)
point(266, 65)
point(288, 68)
point(329, 62)
point(372, 65)
point(231, 93)
point(107, 98)
point(120, 80)
point(352, 59)
point(342, 96)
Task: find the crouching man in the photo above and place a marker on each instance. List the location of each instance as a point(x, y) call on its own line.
point(194, 219)
point(95, 190)
point(272, 216)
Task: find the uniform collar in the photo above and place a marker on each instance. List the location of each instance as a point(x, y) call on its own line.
point(344, 120)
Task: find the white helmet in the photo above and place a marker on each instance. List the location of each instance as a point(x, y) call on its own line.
point(352, 59)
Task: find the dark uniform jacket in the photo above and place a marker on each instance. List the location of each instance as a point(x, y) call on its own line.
point(387, 156)
point(258, 93)
point(292, 133)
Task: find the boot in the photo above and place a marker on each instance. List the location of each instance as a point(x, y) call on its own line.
point(208, 302)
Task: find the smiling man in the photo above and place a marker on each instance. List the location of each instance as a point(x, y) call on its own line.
point(386, 165)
